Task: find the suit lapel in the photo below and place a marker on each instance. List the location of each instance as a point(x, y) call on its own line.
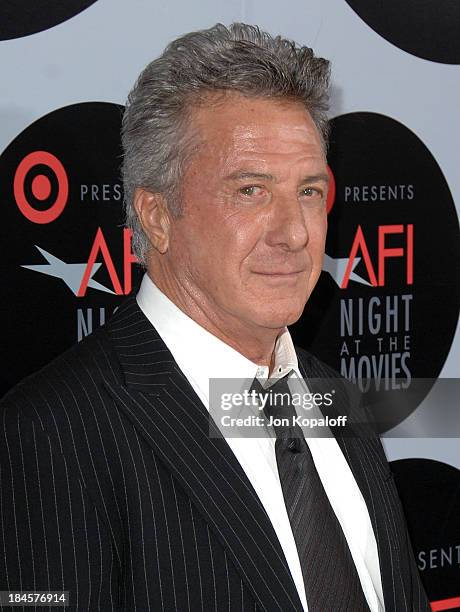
point(365, 457)
point(162, 405)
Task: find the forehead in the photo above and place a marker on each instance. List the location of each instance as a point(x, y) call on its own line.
point(233, 126)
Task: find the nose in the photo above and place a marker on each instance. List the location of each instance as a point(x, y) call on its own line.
point(287, 225)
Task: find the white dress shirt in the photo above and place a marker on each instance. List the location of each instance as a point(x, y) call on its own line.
point(202, 356)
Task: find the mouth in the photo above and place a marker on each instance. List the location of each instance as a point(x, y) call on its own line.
point(279, 278)
point(281, 274)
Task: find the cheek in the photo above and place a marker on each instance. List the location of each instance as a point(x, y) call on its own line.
point(207, 252)
point(241, 236)
point(317, 229)
point(316, 244)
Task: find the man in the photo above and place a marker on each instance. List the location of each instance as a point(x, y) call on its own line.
point(112, 487)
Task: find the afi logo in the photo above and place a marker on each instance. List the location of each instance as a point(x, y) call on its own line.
point(342, 269)
point(129, 258)
point(406, 251)
point(79, 276)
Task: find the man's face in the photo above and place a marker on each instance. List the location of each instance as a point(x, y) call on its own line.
point(249, 245)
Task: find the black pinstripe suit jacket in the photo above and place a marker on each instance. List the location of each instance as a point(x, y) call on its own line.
point(112, 489)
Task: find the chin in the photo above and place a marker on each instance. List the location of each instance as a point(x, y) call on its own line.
point(278, 320)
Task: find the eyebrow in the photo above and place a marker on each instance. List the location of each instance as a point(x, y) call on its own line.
point(312, 178)
point(249, 175)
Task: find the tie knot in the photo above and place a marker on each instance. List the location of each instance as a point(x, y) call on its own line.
point(278, 407)
point(277, 398)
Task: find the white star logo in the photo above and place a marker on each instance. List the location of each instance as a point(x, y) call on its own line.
point(337, 267)
point(70, 273)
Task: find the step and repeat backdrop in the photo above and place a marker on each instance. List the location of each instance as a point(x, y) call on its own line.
point(385, 310)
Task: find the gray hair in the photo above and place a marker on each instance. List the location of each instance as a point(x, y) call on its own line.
point(241, 58)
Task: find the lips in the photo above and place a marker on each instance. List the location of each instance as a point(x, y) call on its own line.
point(280, 272)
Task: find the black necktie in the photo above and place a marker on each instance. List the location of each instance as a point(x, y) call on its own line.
point(331, 581)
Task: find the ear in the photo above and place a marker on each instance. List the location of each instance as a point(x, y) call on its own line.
point(153, 214)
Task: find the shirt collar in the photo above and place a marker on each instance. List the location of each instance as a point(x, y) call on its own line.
point(200, 354)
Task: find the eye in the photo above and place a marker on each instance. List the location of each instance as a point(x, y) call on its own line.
point(250, 190)
point(311, 192)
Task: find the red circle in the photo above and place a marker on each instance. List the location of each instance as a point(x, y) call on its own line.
point(41, 187)
point(29, 161)
point(331, 191)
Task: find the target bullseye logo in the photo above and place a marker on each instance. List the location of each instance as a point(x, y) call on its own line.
point(41, 188)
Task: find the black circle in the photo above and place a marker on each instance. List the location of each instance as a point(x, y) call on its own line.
point(20, 18)
point(430, 494)
point(40, 313)
point(426, 28)
point(386, 178)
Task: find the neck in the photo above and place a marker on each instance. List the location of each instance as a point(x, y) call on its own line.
point(255, 343)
